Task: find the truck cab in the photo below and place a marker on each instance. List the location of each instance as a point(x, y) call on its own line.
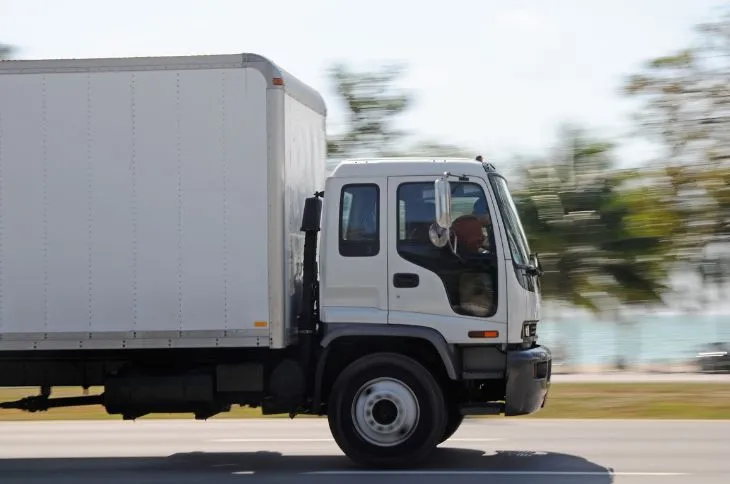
point(428, 259)
point(381, 266)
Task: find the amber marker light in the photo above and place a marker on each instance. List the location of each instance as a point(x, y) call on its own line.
point(484, 334)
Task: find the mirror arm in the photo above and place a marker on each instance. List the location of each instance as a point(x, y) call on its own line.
point(531, 269)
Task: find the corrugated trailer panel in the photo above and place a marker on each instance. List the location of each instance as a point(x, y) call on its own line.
point(126, 214)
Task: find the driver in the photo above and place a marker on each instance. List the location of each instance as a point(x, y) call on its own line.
point(475, 288)
point(479, 210)
point(469, 235)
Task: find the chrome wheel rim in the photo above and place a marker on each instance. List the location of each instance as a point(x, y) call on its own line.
point(385, 412)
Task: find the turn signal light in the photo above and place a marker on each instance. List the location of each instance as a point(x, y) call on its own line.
point(484, 334)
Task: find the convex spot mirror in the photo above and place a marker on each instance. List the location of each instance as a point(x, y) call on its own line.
point(442, 199)
point(439, 232)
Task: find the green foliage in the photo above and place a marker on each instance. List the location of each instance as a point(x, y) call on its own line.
point(371, 102)
point(685, 97)
point(435, 149)
point(596, 228)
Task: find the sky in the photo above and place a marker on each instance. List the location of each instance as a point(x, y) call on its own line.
point(497, 77)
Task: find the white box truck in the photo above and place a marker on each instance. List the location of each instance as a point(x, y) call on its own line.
point(168, 234)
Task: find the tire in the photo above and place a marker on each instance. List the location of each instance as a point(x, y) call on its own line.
point(453, 422)
point(376, 430)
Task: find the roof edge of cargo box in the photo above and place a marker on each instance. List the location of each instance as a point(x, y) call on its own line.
point(298, 89)
point(293, 86)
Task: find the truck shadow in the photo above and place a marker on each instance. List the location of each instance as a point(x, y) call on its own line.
point(446, 464)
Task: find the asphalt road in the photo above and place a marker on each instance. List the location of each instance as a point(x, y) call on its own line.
point(301, 451)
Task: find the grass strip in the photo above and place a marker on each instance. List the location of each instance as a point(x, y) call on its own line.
point(566, 400)
point(638, 401)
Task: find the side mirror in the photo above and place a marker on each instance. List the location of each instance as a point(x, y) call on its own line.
point(442, 199)
point(535, 266)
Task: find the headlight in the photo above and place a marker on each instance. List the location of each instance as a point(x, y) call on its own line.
point(529, 329)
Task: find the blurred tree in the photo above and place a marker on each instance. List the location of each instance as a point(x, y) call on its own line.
point(372, 102)
point(598, 230)
point(687, 96)
point(5, 51)
point(432, 149)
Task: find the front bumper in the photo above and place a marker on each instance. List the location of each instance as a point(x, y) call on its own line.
point(528, 380)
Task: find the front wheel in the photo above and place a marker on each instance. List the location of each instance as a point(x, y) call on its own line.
point(387, 410)
point(453, 422)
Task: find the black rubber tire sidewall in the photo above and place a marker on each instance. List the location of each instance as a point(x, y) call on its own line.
point(429, 429)
point(454, 421)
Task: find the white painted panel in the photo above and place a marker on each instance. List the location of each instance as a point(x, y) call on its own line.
point(247, 152)
point(202, 237)
point(353, 289)
point(112, 228)
point(157, 153)
point(67, 188)
point(22, 269)
point(204, 197)
point(305, 170)
point(153, 205)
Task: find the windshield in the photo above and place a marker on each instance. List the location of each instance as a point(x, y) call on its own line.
point(517, 240)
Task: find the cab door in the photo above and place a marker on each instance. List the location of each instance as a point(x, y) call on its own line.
point(354, 252)
point(424, 280)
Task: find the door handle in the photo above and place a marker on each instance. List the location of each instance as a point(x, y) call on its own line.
point(405, 280)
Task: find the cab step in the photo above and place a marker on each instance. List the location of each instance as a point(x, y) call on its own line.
point(489, 408)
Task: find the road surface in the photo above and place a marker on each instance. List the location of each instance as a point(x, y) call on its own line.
point(301, 451)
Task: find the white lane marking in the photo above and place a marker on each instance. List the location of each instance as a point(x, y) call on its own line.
point(332, 440)
point(474, 439)
point(498, 473)
point(272, 440)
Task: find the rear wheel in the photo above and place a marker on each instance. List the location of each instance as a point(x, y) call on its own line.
point(387, 410)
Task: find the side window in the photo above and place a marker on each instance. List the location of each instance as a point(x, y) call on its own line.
point(470, 278)
point(360, 220)
point(416, 211)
